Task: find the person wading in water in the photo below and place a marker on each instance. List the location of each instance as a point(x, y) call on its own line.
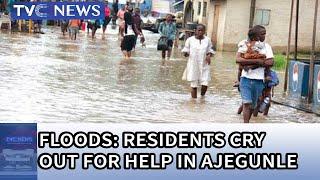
point(107, 18)
point(128, 36)
point(252, 80)
point(199, 50)
point(168, 30)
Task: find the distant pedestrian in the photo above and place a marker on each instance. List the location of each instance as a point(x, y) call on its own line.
point(137, 23)
point(107, 17)
point(64, 26)
point(94, 25)
point(37, 23)
point(168, 30)
point(121, 19)
point(199, 50)
point(128, 35)
point(115, 9)
point(74, 25)
point(38, 26)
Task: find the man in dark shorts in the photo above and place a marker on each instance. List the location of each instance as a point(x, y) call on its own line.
point(64, 26)
point(137, 21)
point(115, 9)
point(37, 26)
point(93, 25)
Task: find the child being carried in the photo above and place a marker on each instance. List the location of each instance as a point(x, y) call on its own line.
point(252, 49)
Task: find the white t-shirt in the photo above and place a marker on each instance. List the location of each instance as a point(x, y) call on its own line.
point(257, 73)
point(129, 31)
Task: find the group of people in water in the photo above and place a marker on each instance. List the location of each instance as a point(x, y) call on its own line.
point(254, 56)
point(129, 22)
point(255, 77)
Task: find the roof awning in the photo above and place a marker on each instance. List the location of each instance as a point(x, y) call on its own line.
point(177, 3)
point(132, 1)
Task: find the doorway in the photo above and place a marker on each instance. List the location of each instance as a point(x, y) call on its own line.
point(188, 14)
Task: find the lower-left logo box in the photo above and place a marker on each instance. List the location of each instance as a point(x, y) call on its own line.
point(18, 151)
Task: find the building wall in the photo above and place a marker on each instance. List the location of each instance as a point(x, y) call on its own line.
point(199, 17)
point(234, 23)
point(210, 18)
point(221, 22)
point(237, 23)
point(277, 30)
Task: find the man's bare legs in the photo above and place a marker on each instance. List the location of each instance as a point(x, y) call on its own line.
point(247, 112)
point(194, 92)
point(94, 29)
point(127, 54)
point(163, 55)
point(104, 29)
point(169, 54)
point(203, 90)
point(240, 109)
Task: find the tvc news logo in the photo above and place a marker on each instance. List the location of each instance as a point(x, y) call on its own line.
point(57, 10)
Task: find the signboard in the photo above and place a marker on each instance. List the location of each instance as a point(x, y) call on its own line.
point(161, 6)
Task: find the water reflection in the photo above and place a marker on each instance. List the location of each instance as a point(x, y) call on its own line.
point(49, 78)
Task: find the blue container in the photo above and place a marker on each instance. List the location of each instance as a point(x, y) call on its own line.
point(298, 79)
point(316, 88)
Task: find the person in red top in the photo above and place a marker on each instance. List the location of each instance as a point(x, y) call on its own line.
point(107, 17)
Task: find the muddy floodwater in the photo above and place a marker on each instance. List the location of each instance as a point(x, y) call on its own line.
point(49, 78)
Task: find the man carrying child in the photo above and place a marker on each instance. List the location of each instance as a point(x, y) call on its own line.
point(253, 68)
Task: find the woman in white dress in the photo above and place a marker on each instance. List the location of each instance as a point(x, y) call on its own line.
point(199, 50)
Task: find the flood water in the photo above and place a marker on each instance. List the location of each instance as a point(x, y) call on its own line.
point(49, 78)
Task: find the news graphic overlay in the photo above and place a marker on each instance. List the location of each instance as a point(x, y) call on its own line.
point(125, 152)
point(169, 140)
point(57, 10)
point(18, 151)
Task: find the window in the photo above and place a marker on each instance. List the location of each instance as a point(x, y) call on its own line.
point(204, 9)
point(199, 8)
point(262, 17)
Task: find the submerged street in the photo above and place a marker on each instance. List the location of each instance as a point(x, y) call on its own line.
point(49, 78)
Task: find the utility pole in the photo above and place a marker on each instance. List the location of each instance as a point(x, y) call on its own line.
point(252, 12)
point(288, 48)
point(312, 57)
